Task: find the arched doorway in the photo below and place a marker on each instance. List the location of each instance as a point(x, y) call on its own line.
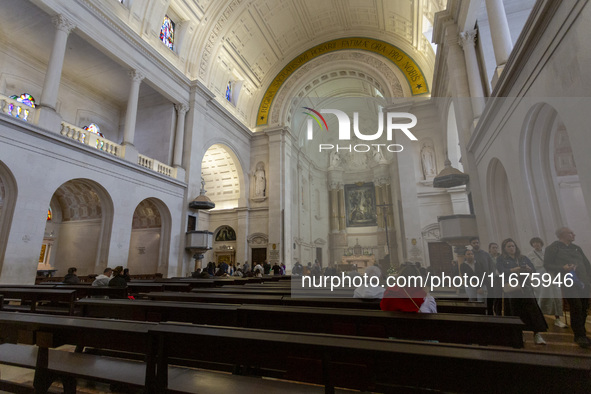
point(80, 227)
point(500, 202)
point(8, 193)
point(150, 234)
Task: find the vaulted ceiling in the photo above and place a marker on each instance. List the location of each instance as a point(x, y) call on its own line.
point(246, 41)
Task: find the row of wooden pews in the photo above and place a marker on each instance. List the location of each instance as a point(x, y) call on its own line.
point(359, 363)
point(255, 327)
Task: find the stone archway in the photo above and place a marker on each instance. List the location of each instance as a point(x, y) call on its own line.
point(8, 194)
point(150, 232)
point(500, 201)
point(81, 236)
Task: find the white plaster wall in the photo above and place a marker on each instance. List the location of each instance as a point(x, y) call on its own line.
point(144, 250)
point(154, 131)
point(41, 162)
point(77, 247)
point(558, 78)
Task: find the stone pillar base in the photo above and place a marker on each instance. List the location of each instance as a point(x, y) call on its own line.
point(130, 152)
point(180, 173)
point(49, 119)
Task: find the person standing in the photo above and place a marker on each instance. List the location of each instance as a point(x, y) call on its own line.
point(564, 258)
point(471, 268)
point(488, 267)
point(549, 298)
point(521, 302)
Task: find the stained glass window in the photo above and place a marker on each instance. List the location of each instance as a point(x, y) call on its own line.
point(167, 32)
point(93, 128)
point(26, 99)
point(229, 91)
point(48, 214)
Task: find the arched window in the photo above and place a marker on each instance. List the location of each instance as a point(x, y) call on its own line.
point(49, 214)
point(93, 128)
point(24, 98)
point(229, 91)
point(167, 32)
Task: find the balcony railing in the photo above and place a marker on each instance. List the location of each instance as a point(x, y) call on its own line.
point(157, 166)
point(17, 109)
point(28, 114)
point(91, 139)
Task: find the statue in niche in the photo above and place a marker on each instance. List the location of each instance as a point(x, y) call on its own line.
point(378, 156)
point(335, 159)
point(428, 160)
point(260, 182)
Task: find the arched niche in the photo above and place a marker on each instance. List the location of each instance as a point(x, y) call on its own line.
point(556, 197)
point(500, 201)
point(8, 194)
point(150, 238)
point(82, 235)
point(224, 177)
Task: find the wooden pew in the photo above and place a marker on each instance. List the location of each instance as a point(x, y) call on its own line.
point(451, 328)
point(47, 332)
point(96, 291)
point(370, 364)
point(462, 307)
point(53, 331)
point(35, 295)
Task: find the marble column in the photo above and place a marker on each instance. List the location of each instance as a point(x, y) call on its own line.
point(456, 66)
point(56, 61)
point(499, 28)
point(48, 117)
point(132, 103)
point(276, 193)
point(130, 153)
point(466, 41)
point(179, 135)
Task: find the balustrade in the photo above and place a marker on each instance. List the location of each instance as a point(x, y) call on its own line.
point(17, 109)
point(157, 166)
point(91, 139)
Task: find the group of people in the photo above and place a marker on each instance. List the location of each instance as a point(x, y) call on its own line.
point(110, 277)
point(116, 277)
point(562, 271)
point(223, 269)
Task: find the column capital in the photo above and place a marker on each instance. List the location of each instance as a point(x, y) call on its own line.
point(62, 23)
point(136, 75)
point(467, 38)
point(181, 108)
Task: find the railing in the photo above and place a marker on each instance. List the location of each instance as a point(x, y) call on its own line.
point(91, 139)
point(18, 110)
point(157, 166)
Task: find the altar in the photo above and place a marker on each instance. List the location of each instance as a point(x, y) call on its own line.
point(361, 261)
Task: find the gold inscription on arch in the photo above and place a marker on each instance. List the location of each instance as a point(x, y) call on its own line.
point(412, 72)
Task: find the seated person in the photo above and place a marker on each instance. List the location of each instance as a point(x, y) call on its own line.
point(370, 291)
point(71, 278)
point(408, 298)
point(104, 278)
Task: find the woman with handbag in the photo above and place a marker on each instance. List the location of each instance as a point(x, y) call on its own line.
point(520, 300)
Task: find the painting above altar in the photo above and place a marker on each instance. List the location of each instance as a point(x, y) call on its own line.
point(360, 205)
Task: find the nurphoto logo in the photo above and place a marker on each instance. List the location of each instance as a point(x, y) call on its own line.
point(402, 121)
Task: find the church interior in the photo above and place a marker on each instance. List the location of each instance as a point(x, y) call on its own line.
point(161, 135)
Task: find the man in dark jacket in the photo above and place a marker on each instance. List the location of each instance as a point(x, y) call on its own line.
point(566, 259)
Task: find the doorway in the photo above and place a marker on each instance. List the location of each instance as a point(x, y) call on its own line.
point(440, 256)
point(258, 255)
